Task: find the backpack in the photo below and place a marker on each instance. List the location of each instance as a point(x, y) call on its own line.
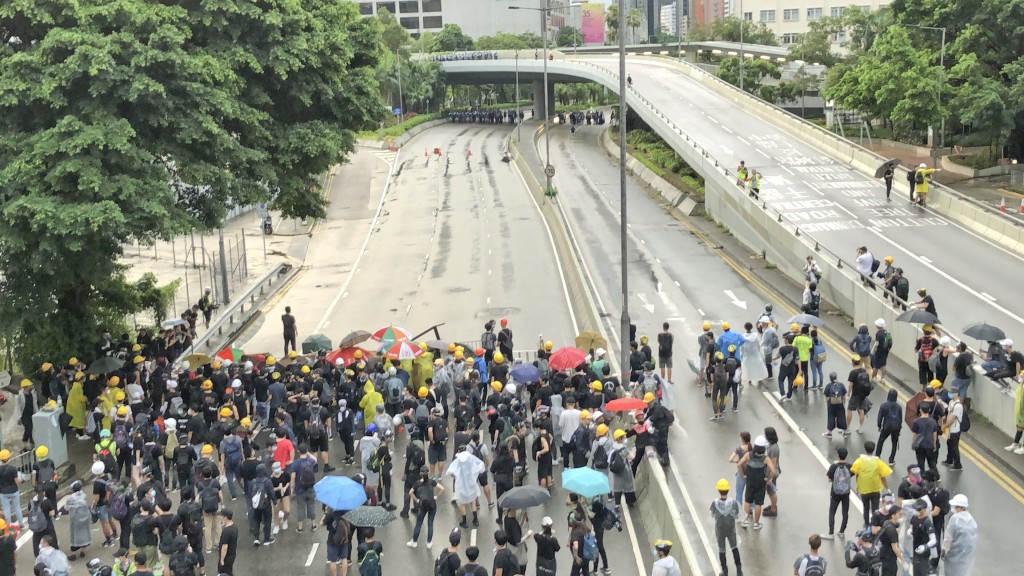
point(965, 419)
point(118, 506)
point(875, 264)
point(209, 496)
point(731, 365)
point(422, 414)
point(902, 285)
point(861, 344)
point(787, 360)
point(589, 551)
point(233, 452)
point(374, 464)
point(306, 476)
point(440, 428)
point(815, 301)
point(370, 564)
point(841, 480)
point(441, 564)
point(260, 496)
point(609, 519)
point(172, 443)
point(814, 566)
point(618, 464)
point(47, 473)
point(394, 390)
point(506, 429)
point(191, 519)
point(600, 457)
point(414, 459)
point(315, 428)
point(886, 344)
point(864, 385)
point(721, 376)
point(651, 383)
point(184, 459)
point(488, 340)
point(36, 516)
point(832, 393)
point(918, 177)
point(120, 435)
point(167, 539)
point(892, 419)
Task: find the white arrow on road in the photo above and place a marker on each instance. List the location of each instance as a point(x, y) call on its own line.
point(734, 300)
point(643, 301)
point(726, 149)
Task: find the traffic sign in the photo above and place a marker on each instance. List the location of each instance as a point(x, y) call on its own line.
point(397, 111)
point(549, 171)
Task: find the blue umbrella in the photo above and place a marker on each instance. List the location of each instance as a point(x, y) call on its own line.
point(586, 482)
point(525, 373)
point(340, 492)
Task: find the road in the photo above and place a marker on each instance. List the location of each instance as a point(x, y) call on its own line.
point(675, 277)
point(971, 278)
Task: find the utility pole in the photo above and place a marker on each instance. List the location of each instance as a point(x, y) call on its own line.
point(624, 321)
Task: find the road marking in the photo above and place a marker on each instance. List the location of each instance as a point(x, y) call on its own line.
point(989, 296)
point(488, 271)
point(312, 554)
point(763, 153)
point(677, 282)
point(924, 259)
point(472, 537)
point(727, 130)
point(488, 300)
point(741, 139)
point(658, 260)
point(633, 542)
point(712, 118)
point(712, 556)
point(787, 170)
point(701, 312)
point(327, 324)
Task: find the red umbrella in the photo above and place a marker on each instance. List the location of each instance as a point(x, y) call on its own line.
point(566, 358)
point(347, 355)
point(625, 405)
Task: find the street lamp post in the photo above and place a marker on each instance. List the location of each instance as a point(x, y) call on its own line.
point(942, 66)
point(519, 131)
point(544, 11)
point(741, 44)
point(624, 321)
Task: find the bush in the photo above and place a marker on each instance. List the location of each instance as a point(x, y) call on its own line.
point(985, 159)
point(397, 130)
point(661, 159)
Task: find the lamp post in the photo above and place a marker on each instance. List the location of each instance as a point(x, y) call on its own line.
point(742, 19)
point(518, 122)
point(942, 65)
point(544, 11)
point(624, 320)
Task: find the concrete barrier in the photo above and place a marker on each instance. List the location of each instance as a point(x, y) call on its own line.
point(672, 195)
point(401, 140)
point(658, 513)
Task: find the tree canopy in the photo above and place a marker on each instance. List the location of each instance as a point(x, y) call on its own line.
point(128, 120)
point(728, 30)
point(452, 39)
point(509, 41)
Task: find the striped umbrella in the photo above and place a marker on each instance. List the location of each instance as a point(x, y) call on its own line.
point(391, 333)
point(404, 350)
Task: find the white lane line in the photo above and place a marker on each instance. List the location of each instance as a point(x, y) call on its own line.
point(472, 537)
point(741, 139)
point(712, 118)
point(327, 324)
point(312, 554)
point(787, 170)
point(658, 260)
point(727, 130)
point(362, 250)
point(924, 259)
point(677, 282)
point(488, 300)
point(989, 296)
point(762, 153)
point(806, 441)
point(701, 312)
point(633, 542)
point(712, 555)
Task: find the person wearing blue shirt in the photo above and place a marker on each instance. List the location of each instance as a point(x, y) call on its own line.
point(728, 338)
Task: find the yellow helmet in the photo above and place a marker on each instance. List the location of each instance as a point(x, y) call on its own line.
point(496, 386)
point(206, 450)
point(26, 383)
point(122, 410)
point(246, 422)
point(726, 326)
point(935, 384)
point(216, 364)
point(665, 545)
point(136, 347)
point(357, 354)
point(138, 360)
point(602, 429)
point(619, 434)
point(596, 385)
point(722, 485)
point(499, 357)
point(451, 347)
point(798, 381)
point(113, 381)
point(207, 385)
point(644, 339)
point(47, 366)
point(79, 375)
point(888, 259)
point(460, 349)
point(855, 358)
point(275, 376)
point(271, 361)
point(794, 327)
point(5, 454)
point(119, 397)
point(293, 354)
point(548, 345)
point(42, 452)
point(649, 397)
point(305, 370)
point(585, 415)
point(3, 524)
point(706, 325)
point(458, 354)
point(225, 412)
point(73, 361)
point(51, 405)
point(719, 356)
point(422, 392)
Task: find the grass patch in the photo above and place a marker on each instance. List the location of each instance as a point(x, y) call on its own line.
point(984, 159)
point(660, 158)
point(770, 266)
point(397, 129)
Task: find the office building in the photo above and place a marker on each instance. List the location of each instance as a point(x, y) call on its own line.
point(790, 18)
point(476, 18)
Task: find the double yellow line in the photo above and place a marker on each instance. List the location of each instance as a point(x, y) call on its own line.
point(991, 470)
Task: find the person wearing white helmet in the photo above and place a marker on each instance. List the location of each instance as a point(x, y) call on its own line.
point(960, 540)
point(880, 347)
point(101, 500)
point(921, 175)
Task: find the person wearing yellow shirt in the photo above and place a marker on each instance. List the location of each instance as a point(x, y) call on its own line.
point(872, 474)
point(921, 182)
point(803, 344)
point(371, 398)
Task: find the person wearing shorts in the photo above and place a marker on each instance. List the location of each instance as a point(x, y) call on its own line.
point(665, 341)
point(339, 542)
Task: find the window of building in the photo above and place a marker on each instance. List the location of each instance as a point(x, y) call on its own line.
point(366, 8)
point(389, 6)
point(868, 8)
point(841, 37)
point(748, 16)
point(432, 23)
point(791, 15)
point(837, 11)
point(409, 7)
point(431, 5)
point(410, 22)
point(813, 14)
point(789, 38)
point(767, 15)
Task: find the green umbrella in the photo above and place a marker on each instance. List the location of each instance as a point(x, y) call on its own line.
point(316, 343)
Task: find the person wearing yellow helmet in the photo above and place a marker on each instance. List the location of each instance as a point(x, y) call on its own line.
point(725, 512)
point(9, 494)
point(25, 407)
point(665, 563)
point(497, 369)
point(44, 473)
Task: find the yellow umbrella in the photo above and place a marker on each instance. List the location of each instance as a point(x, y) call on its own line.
point(587, 340)
point(197, 359)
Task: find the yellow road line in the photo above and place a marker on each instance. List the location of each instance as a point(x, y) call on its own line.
point(986, 466)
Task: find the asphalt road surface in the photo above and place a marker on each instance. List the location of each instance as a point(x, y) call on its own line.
point(971, 279)
point(676, 278)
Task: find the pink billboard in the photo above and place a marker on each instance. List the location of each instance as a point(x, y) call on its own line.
point(593, 22)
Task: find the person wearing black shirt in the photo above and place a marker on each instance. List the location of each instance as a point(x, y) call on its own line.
point(923, 535)
point(547, 547)
point(889, 545)
point(184, 561)
point(505, 562)
point(141, 566)
point(927, 303)
point(228, 547)
point(939, 498)
point(49, 511)
point(665, 341)
point(339, 541)
point(9, 489)
point(144, 530)
point(471, 568)
point(787, 373)
point(8, 547)
point(290, 328)
point(925, 438)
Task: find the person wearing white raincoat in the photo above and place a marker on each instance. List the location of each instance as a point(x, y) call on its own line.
point(752, 363)
point(464, 470)
point(960, 540)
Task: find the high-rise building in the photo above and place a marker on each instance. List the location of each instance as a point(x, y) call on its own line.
point(669, 21)
point(475, 17)
point(790, 18)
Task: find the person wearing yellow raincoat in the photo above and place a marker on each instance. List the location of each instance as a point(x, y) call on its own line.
point(371, 398)
point(76, 407)
point(422, 368)
point(108, 400)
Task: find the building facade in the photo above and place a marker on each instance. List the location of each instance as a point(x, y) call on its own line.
point(790, 18)
point(476, 18)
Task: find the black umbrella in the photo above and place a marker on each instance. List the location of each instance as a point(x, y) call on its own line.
point(522, 497)
point(366, 516)
point(917, 316)
point(984, 331)
point(805, 320)
point(439, 345)
point(888, 164)
point(105, 365)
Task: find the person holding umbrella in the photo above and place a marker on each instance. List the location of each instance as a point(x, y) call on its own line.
point(887, 176)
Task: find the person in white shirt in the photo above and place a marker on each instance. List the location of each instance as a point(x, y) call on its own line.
point(665, 565)
point(954, 418)
point(568, 422)
point(864, 262)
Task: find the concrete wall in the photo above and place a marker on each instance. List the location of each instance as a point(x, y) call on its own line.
point(398, 142)
point(672, 195)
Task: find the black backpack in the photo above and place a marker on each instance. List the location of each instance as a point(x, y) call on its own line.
point(209, 496)
point(965, 420)
point(440, 428)
point(918, 177)
point(600, 457)
point(618, 463)
point(306, 476)
point(315, 428)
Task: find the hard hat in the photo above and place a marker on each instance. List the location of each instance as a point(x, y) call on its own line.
point(371, 428)
point(619, 434)
point(596, 385)
point(602, 429)
point(726, 326)
point(761, 441)
point(504, 322)
point(706, 326)
point(357, 354)
point(138, 360)
point(122, 410)
point(119, 397)
point(422, 392)
point(722, 485)
point(719, 356)
point(207, 385)
point(643, 339)
point(170, 423)
point(42, 452)
point(51, 405)
point(499, 357)
point(928, 328)
point(460, 349)
point(236, 383)
point(225, 412)
point(397, 420)
point(511, 389)
point(496, 386)
point(3, 524)
point(73, 361)
point(601, 351)
point(732, 348)
point(248, 365)
point(5, 454)
point(80, 375)
point(207, 449)
point(585, 414)
point(305, 370)
point(339, 362)
point(47, 366)
point(458, 355)
point(935, 384)
point(451, 347)
point(649, 397)
point(26, 383)
point(98, 468)
point(888, 259)
point(392, 370)
point(105, 433)
point(246, 422)
point(271, 361)
point(438, 362)
point(275, 376)
point(479, 352)
point(798, 381)
point(113, 381)
point(548, 345)
point(855, 358)
point(880, 323)
point(959, 501)
point(663, 545)
point(922, 165)
point(794, 327)
point(293, 354)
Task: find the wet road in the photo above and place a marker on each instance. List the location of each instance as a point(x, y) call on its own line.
point(675, 277)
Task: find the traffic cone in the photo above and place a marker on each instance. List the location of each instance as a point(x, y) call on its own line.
point(1002, 205)
point(1022, 205)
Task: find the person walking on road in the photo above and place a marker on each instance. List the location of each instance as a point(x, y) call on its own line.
point(959, 543)
point(725, 511)
point(922, 534)
point(425, 493)
point(464, 470)
point(752, 366)
point(840, 480)
point(872, 476)
point(925, 436)
point(889, 543)
point(880, 351)
point(890, 423)
point(954, 423)
point(665, 342)
point(227, 549)
point(888, 183)
point(910, 181)
point(620, 473)
point(774, 453)
point(757, 471)
point(859, 384)
point(547, 548)
point(811, 564)
point(290, 328)
point(665, 565)
point(835, 399)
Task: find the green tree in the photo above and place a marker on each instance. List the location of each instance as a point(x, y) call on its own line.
point(128, 120)
point(815, 45)
point(611, 22)
point(451, 39)
point(634, 18)
point(728, 30)
point(509, 41)
point(569, 36)
point(981, 101)
point(754, 72)
point(393, 34)
point(865, 26)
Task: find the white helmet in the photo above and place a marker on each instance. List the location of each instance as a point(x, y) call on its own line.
point(397, 420)
point(392, 370)
point(958, 501)
point(922, 165)
point(170, 424)
point(98, 468)
point(511, 389)
point(248, 365)
point(761, 441)
point(339, 362)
